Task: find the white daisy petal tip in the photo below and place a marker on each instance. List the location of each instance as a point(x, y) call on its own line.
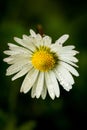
point(33, 34)
point(18, 40)
point(77, 52)
point(67, 87)
point(5, 52)
point(77, 74)
point(24, 36)
point(43, 97)
point(7, 74)
point(22, 90)
point(58, 95)
point(52, 96)
point(6, 59)
point(15, 38)
point(12, 79)
point(62, 39)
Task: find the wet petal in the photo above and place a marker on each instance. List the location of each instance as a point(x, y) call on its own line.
point(29, 80)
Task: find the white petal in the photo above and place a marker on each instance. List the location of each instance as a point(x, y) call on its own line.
point(29, 44)
point(64, 75)
point(18, 40)
point(19, 58)
point(54, 83)
point(67, 57)
point(67, 87)
point(63, 50)
point(29, 80)
point(11, 45)
point(18, 49)
point(44, 91)
point(62, 39)
point(22, 72)
point(16, 67)
point(33, 34)
point(49, 85)
point(56, 48)
point(70, 68)
point(38, 40)
point(68, 48)
point(25, 43)
point(67, 75)
point(8, 52)
point(47, 41)
point(7, 59)
point(25, 37)
point(33, 91)
point(69, 52)
point(69, 62)
point(40, 84)
point(63, 81)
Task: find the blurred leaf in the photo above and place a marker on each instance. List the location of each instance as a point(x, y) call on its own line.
point(11, 123)
point(3, 119)
point(28, 126)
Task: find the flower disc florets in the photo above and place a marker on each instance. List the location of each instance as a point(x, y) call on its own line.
point(43, 59)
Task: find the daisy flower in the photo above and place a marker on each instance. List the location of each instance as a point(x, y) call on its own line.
point(45, 64)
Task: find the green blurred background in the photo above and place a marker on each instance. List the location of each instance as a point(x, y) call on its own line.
point(21, 112)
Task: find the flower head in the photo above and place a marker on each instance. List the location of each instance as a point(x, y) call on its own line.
point(46, 65)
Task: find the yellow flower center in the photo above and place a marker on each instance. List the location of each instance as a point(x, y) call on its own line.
point(43, 59)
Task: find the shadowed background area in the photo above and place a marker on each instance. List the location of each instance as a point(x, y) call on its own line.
point(19, 111)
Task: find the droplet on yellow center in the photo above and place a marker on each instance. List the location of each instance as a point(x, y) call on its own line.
point(43, 60)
